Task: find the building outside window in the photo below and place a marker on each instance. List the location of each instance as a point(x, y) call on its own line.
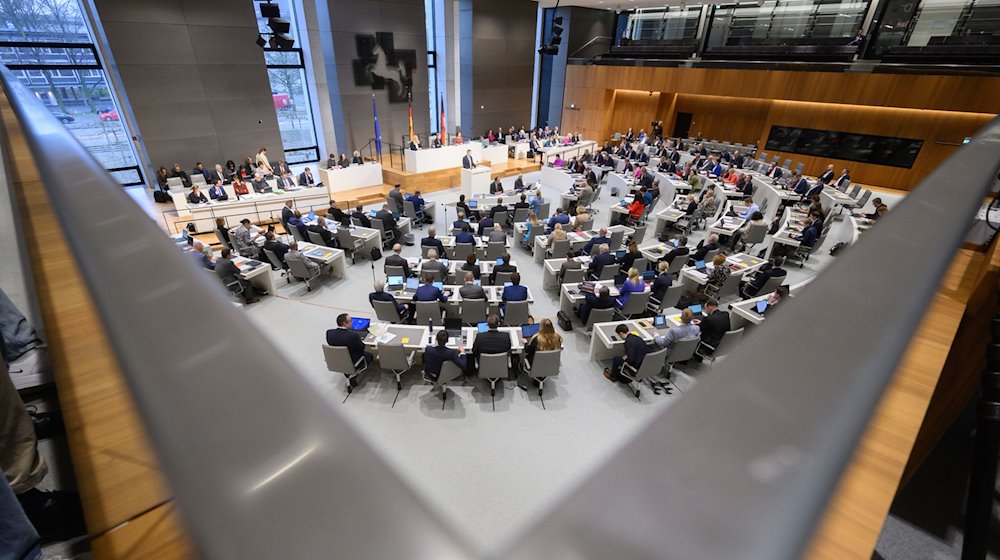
point(50, 48)
point(286, 70)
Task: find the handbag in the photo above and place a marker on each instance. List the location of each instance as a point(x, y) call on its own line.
point(564, 321)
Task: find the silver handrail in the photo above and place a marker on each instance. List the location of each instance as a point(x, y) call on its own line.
point(741, 467)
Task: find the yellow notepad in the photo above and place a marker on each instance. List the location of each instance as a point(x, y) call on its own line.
point(406, 339)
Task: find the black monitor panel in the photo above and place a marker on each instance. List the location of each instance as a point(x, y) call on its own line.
point(880, 150)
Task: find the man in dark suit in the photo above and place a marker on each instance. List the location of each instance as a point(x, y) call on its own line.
point(485, 224)
point(259, 184)
point(436, 356)
point(272, 244)
point(704, 246)
point(844, 179)
point(199, 169)
point(432, 241)
point(343, 337)
point(490, 342)
point(496, 187)
point(519, 182)
point(287, 213)
point(799, 184)
point(498, 207)
point(381, 295)
point(774, 270)
point(428, 292)
point(306, 178)
point(504, 266)
point(601, 239)
point(646, 180)
point(601, 300)
point(396, 197)
point(433, 265)
point(461, 222)
point(229, 273)
point(827, 175)
point(813, 191)
point(388, 222)
point(569, 264)
point(714, 325)
point(602, 259)
point(465, 236)
point(320, 228)
point(361, 217)
point(337, 214)
point(470, 290)
point(467, 161)
point(286, 182)
point(681, 250)
point(635, 352)
point(218, 174)
point(523, 203)
point(395, 259)
point(514, 292)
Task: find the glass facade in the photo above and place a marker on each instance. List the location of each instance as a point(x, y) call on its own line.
point(935, 22)
point(286, 70)
point(792, 21)
point(663, 24)
point(48, 45)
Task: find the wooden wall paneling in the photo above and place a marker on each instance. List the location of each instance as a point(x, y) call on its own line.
point(734, 119)
point(634, 109)
point(667, 111)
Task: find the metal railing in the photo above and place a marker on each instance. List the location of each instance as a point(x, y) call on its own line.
point(775, 428)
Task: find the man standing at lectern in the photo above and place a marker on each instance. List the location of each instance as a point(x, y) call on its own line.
point(467, 162)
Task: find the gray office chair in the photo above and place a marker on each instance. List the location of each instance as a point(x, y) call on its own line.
point(854, 192)
point(276, 263)
point(411, 212)
point(429, 310)
point(462, 251)
point(223, 241)
point(607, 273)
point(677, 265)
point(544, 209)
point(640, 264)
point(709, 256)
point(768, 287)
point(857, 206)
point(316, 238)
point(174, 182)
point(529, 244)
point(495, 250)
point(635, 304)
point(682, 352)
point(729, 288)
point(586, 224)
point(386, 311)
point(349, 243)
point(300, 271)
point(616, 240)
point(670, 299)
point(520, 215)
point(756, 235)
point(599, 316)
point(338, 360)
point(710, 353)
point(493, 368)
point(787, 164)
point(438, 275)
point(640, 233)
point(449, 372)
point(544, 364)
point(559, 248)
point(391, 270)
point(515, 313)
point(502, 278)
point(378, 225)
point(650, 366)
point(473, 311)
point(397, 359)
point(574, 276)
point(501, 218)
point(799, 167)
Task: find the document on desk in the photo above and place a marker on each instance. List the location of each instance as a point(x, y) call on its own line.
point(385, 338)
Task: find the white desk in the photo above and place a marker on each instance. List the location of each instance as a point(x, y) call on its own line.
point(551, 268)
point(605, 343)
point(559, 179)
point(476, 181)
point(567, 151)
point(256, 207)
point(445, 157)
point(495, 154)
point(570, 296)
point(331, 260)
point(352, 177)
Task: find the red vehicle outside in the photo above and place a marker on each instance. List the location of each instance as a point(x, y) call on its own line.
point(107, 115)
point(281, 101)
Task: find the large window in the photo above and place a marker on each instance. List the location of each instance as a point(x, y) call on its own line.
point(791, 21)
point(286, 70)
point(663, 24)
point(49, 46)
point(880, 150)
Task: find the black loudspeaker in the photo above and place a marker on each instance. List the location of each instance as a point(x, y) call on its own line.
point(279, 25)
point(269, 10)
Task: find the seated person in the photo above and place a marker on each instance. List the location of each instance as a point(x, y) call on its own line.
point(766, 272)
point(196, 196)
point(632, 284)
point(601, 300)
point(504, 266)
point(338, 215)
point(230, 273)
point(720, 272)
point(470, 290)
point(202, 255)
point(272, 244)
point(432, 241)
point(259, 184)
point(497, 208)
point(756, 219)
point(389, 223)
point(631, 255)
point(436, 355)
point(514, 292)
point(601, 239)
point(296, 222)
point(486, 224)
point(634, 353)
point(681, 250)
point(294, 254)
point(496, 187)
point(581, 217)
point(245, 239)
point(710, 243)
point(217, 192)
point(465, 236)
point(427, 291)
point(306, 178)
point(662, 282)
point(239, 187)
point(683, 331)
point(603, 258)
point(381, 295)
point(320, 228)
point(493, 341)
point(464, 208)
point(546, 339)
point(432, 266)
point(560, 217)
point(497, 235)
point(569, 264)
point(558, 234)
point(460, 222)
point(361, 217)
point(472, 265)
point(714, 324)
point(396, 259)
point(344, 337)
point(418, 206)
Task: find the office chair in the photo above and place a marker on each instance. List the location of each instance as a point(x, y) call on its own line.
point(396, 359)
point(338, 360)
point(544, 364)
point(650, 366)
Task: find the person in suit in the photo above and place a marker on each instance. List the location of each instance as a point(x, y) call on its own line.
point(504, 266)
point(496, 187)
point(217, 192)
point(585, 195)
point(464, 208)
point(287, 213)
point(603, 258)
point(687, 329)
point(490, 342)
point(827, 176)
point(569, 264)
point(559, 217)
point(714, 324)
point(662, 282)
point(217, 174)
point(320, 228)
point(813, 191)
point(498, 207)
point(461, 222)
point(799, 184)
point(361, 217)
point(396, 197)
point(414, 143)
point(635, 351)
point(465, 235)
point(272, 244)
point(282, 168)
point(388, 222)
point(259, 184)
point(497, 235)
point(196, 196)
point(631, 255)
point(202, 256)
point(601, 239)
point(809, 235)
point(428, 292)
point(711, 243)
point(396, 259)
point(338, 215)
point(357, 159)
point(306, 178)
point(433, 265)
point(467, 161)
point(229, 273)
point(844, 179)
point(469, 289)
point(432, 241)
point(245, 239)
point(286, 182)
point(331, 161)
point(766, 272)
point(519, 182)
point(343, 337)
point(199, 169)
point(522, 203)
point(514, 292)
point(681, 250)
point(381, 295)
point(436, 356)
point(418, 207)
point(471, 265)
point(486, 224)
point(294, 254)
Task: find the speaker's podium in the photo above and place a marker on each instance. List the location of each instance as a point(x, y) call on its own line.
point(476, 181)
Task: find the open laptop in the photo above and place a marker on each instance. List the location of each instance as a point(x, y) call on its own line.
point(660, 321)
point(527, 331)
point(696, 309)
point(312, 216)
point(360, 325)
point(483, 327)
point(412, 283)
point(472, 204)
point(395, 283)
point(648, 275)
point(372, 213)
point(762, 306)
point(619, 255)
point(438, 285)
point(700, 266)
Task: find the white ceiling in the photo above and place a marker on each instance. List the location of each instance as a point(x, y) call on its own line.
point(616, 4)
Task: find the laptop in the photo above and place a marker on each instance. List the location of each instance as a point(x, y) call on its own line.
point(648, 275)
point(696, 309)
point(762, 306)
point(700, 266)
point(360, 325)
point(660, 321)
point(483, 327)
point(505, 284)
point(527, 331)
point(619, 254)
point(395, 282)
point(499, 260)
point(677, 242)
point(472, 204)
point(372, 213)
point(438, 285)
point(412, 283)
point(312, 216)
